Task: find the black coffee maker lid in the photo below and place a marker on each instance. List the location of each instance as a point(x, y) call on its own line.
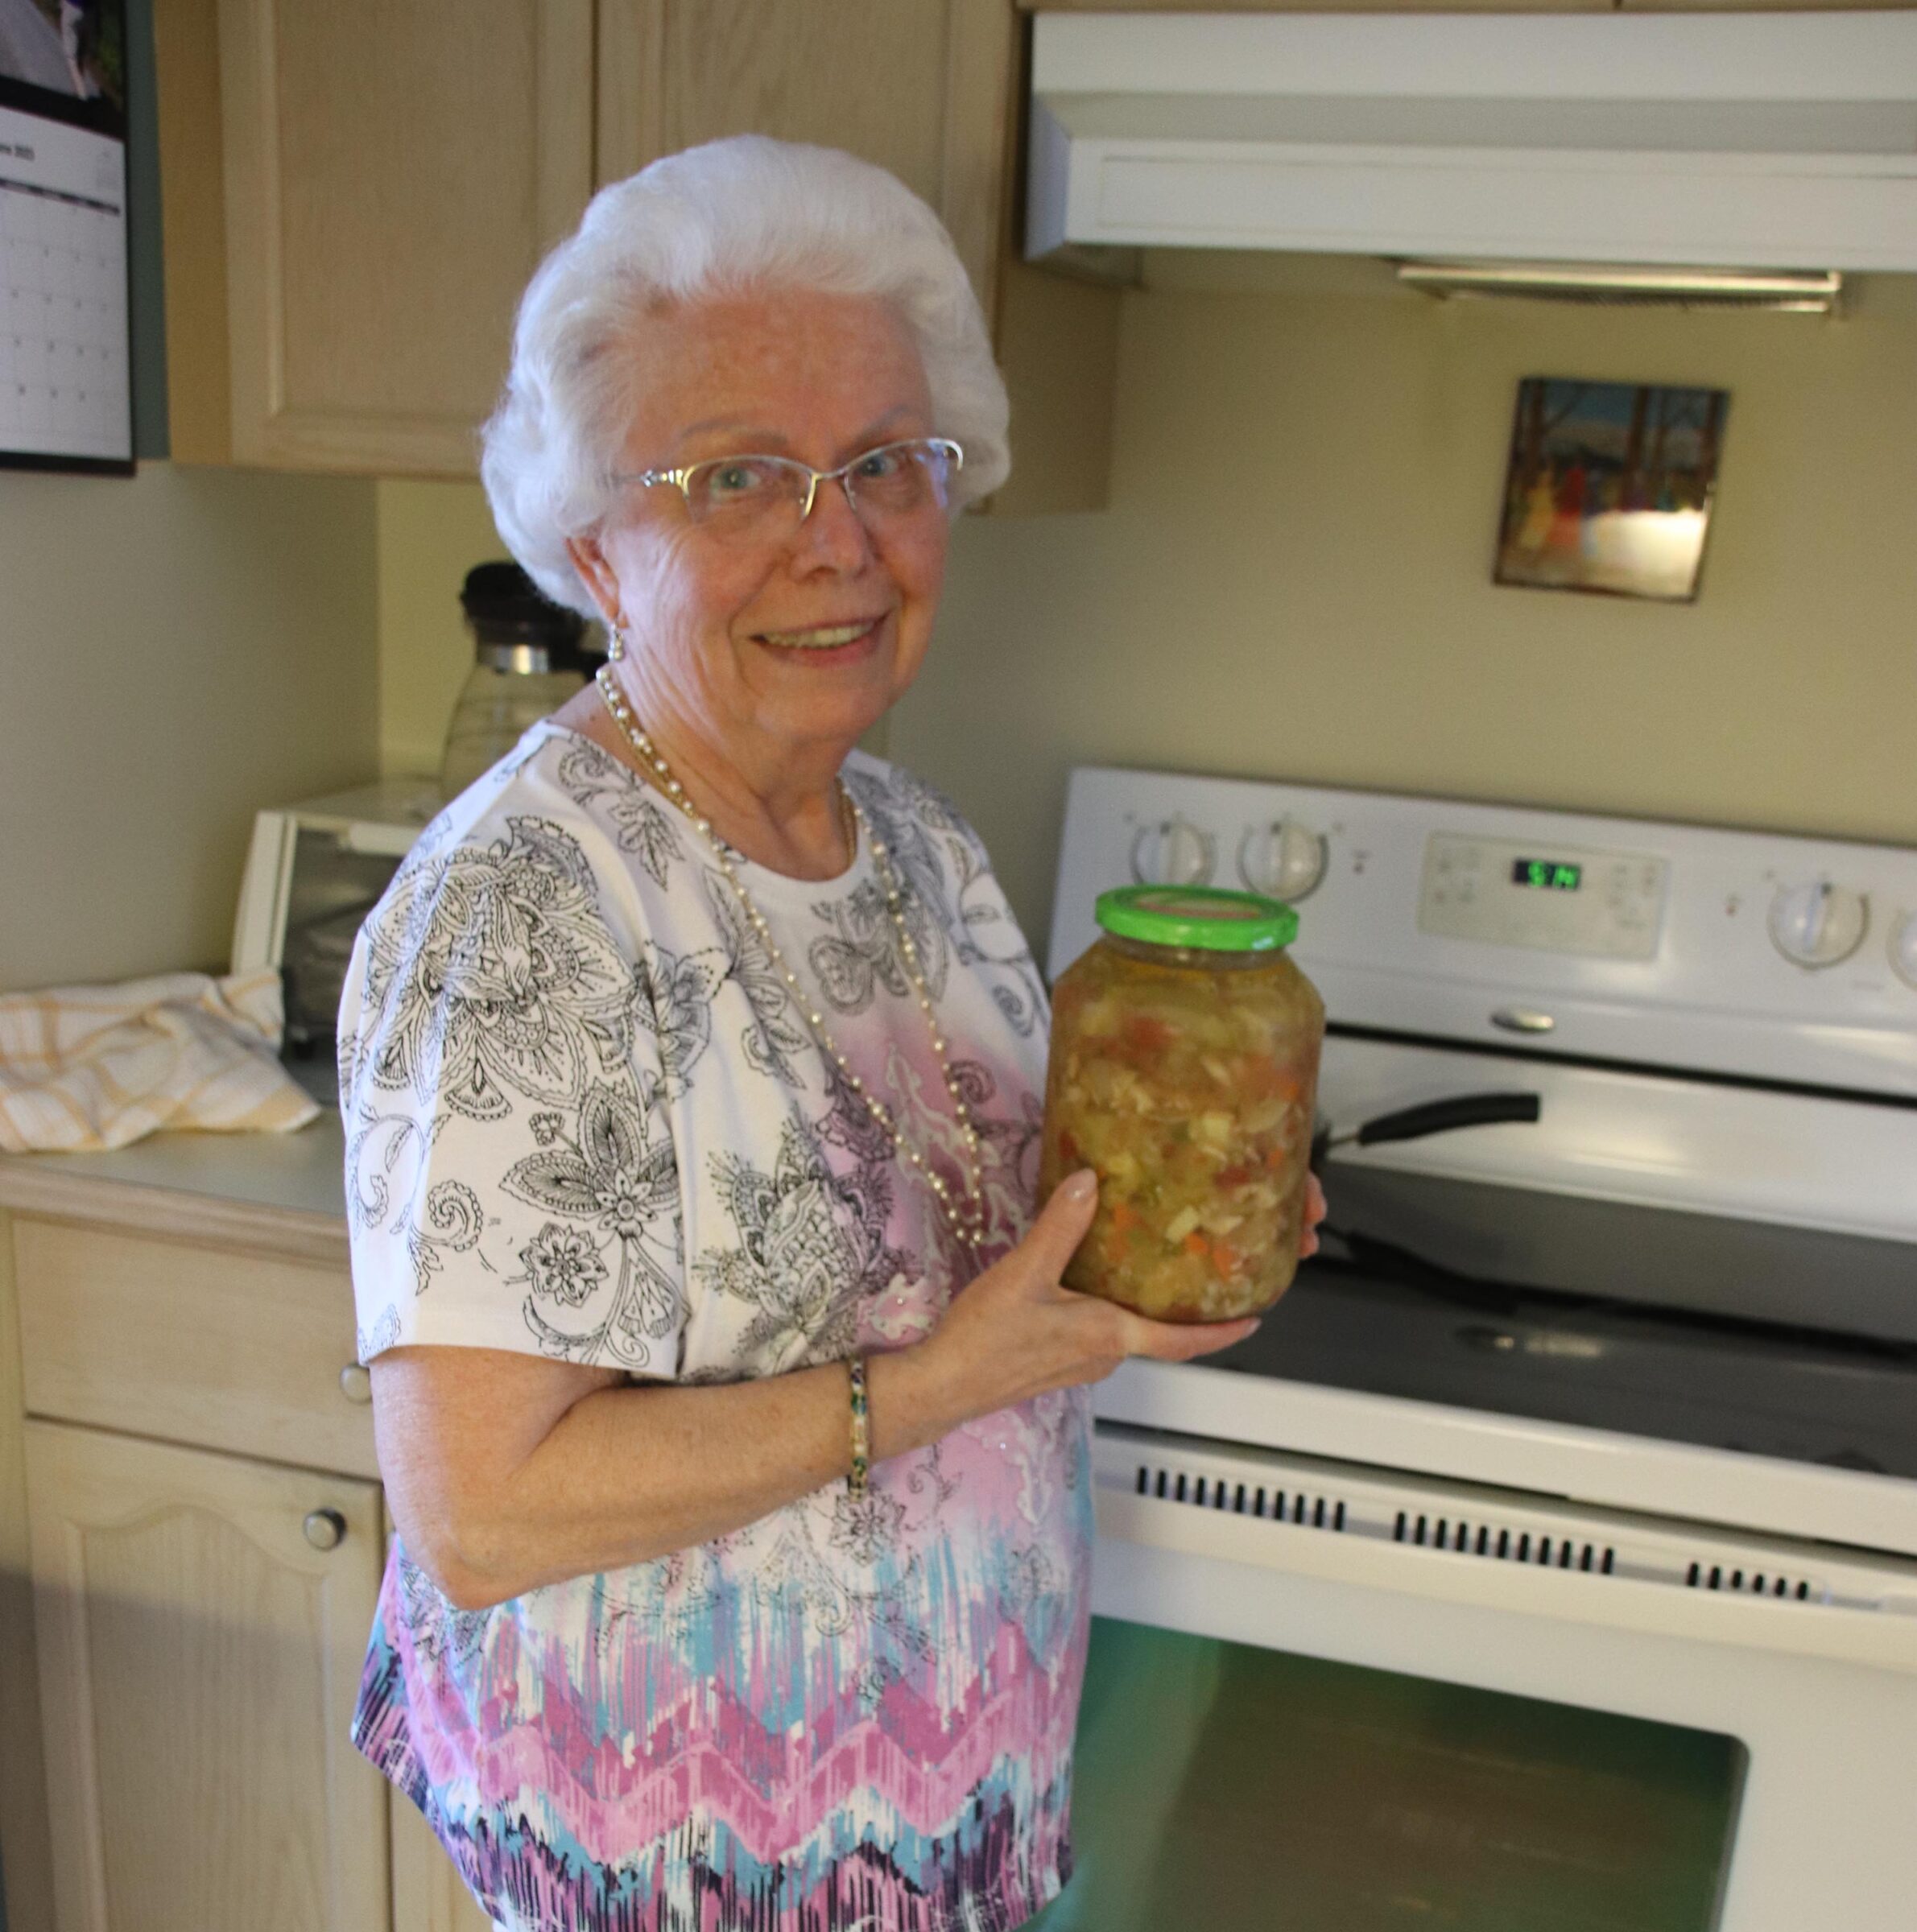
point(505, 606)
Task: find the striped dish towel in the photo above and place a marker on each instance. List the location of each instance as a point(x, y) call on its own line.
point(97, 1067)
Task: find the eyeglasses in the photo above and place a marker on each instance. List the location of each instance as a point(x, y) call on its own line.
point(755, 496)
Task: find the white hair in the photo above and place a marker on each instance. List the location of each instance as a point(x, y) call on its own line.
point(732, 215)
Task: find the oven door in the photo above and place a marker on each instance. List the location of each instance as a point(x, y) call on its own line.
point(1805, 1654)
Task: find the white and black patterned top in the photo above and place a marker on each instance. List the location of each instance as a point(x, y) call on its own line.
point(584, 1119)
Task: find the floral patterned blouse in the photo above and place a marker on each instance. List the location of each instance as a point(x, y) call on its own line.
point(584, 1119)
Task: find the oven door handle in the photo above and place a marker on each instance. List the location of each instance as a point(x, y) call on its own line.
point(1435, 1117)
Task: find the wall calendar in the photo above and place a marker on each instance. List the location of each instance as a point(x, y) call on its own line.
point(65, 349)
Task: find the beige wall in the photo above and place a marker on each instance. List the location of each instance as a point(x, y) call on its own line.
point(176, 651)
point(430, 535)
point(1294, 579)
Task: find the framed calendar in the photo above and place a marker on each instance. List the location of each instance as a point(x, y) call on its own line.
point(66, 391)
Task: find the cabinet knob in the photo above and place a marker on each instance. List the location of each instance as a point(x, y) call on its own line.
point(356, 1383)
point(325, 1528)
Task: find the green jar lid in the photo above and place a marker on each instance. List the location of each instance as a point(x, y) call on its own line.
point(1203, 916)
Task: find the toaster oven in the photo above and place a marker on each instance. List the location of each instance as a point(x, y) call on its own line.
point(314, 871)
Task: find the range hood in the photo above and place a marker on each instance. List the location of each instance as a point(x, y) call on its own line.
point(1729, 141)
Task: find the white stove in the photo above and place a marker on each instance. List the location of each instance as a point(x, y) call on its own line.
point(1617, 1406)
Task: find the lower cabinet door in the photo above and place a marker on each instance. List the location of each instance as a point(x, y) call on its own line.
point(200, 1622)
point(428, 1893)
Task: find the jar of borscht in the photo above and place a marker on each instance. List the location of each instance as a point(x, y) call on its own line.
point(1184, 1069)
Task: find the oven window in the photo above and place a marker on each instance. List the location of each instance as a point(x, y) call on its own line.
point(1227, 1788)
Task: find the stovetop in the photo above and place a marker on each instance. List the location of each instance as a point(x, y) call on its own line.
point(1640, 1320)
point(1706, 1240)
point(1439, 1231)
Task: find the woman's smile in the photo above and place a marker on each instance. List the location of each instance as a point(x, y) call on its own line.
point(819, 646)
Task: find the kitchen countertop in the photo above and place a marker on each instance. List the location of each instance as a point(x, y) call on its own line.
point(285, 1190)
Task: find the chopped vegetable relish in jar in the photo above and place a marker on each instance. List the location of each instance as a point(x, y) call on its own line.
point(1184, 1069)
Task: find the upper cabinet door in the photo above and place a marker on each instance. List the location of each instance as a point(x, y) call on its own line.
point(355, 192)
point(931, 90)
point(923, 87)
point(393, 175)
point(866, 75)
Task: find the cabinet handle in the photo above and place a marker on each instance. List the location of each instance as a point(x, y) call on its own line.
point(356, 1383)
point(325, 1528)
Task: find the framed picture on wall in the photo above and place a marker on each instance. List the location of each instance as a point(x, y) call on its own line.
point(1609, 487)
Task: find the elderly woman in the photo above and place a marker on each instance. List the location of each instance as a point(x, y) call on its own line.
point(731, 1415)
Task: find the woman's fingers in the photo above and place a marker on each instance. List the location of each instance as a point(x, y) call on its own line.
point(1181, 1341)
point(1061, 1224)
point(1018, 1331)
point(1315, 1211)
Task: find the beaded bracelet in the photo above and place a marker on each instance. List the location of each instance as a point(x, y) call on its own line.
point(862, 1429)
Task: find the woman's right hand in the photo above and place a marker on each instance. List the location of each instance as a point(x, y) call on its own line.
point(1015, 1333)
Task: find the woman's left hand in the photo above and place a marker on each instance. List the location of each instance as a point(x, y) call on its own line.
point(1315, 1211)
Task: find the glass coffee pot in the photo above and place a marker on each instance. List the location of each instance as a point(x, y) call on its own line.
point(528, 659)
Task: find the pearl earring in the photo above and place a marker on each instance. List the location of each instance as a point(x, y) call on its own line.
point(615, 642)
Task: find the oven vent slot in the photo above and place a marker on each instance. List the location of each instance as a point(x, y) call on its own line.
point(1307, 1509)
point(1753, 1582)
point(1465, 1536)
point(1490, 1526)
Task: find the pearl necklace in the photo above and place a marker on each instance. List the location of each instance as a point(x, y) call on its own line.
point(966, 1218)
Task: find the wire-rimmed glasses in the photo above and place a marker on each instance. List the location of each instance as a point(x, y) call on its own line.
point(754, 496)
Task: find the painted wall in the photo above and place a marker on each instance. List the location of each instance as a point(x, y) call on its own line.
point(1294, 578)
point(430, 535)
point(176, 651)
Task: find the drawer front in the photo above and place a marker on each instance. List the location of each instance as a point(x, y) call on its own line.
point(214, 1347)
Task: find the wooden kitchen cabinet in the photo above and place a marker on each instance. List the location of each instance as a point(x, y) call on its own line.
point(1321, 6)
point(240, 1349)
point(1765, 6)
point(25, 1854)
point(933, 90)
point(428, 1893)
point(201, 1633)
point(178, 1655)
point(1461, 6)
point(354, 195)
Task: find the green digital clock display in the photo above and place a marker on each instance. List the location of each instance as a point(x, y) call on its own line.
point(1550, 875)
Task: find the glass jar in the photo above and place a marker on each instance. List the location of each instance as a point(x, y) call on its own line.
point(1184, 1070)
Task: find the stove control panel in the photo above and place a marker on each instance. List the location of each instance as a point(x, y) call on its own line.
point(1759, 954)
point(1561, 898)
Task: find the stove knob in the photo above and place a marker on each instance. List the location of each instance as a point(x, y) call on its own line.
point(1173, 852)
point(1283, 860)
point(1903, 949)
point(1818, 924)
